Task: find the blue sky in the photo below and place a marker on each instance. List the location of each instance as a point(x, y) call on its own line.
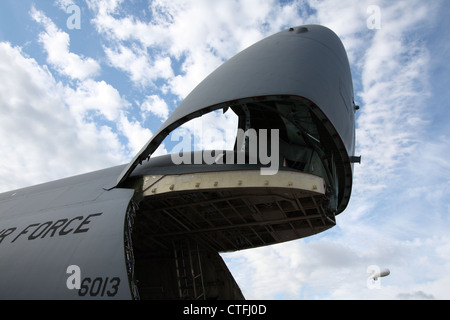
point(77, 100)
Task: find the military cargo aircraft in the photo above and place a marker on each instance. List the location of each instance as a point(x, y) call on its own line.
point(154, 228)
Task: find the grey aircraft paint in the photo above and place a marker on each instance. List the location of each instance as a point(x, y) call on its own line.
point(88, 220)
point(307, 62)
point(47, 228)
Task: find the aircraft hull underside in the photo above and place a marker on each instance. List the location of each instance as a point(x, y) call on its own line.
point(231, 210)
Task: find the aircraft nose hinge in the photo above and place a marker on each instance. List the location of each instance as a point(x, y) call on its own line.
point(355, 159)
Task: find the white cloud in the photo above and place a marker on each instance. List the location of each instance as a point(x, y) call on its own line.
point(285, 270)
point(41, 139)
point(390, 200)
point(137, 135)
point(399, 210)
point(56, 43)
point(328, 268)
point(212, 131)
point(64, 129)
point(104, 6)
point(142, 69)
point(395, 88)
point(96, 96)
point(391, 83)
point(88, 99)
point(63, 4)
point(157, 106)
point(346, 18)
point(200, 35)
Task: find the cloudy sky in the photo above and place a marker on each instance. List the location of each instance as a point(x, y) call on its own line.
point(84, 84)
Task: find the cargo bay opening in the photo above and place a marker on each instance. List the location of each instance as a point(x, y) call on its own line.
point(186, 214)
